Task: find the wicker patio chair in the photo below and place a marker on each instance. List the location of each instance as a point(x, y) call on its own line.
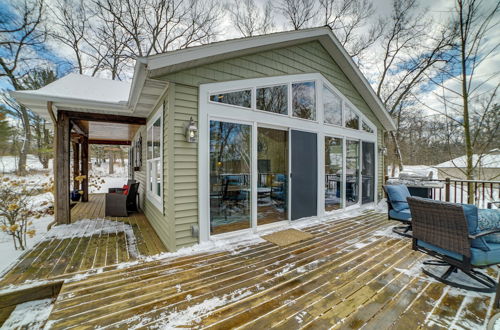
point(120, 190)
point(398, 208)
point(448, 232)
point(120, 205)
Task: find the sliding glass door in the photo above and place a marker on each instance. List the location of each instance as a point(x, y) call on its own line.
point(272, 180)
point(230, 176)
point(352, 172)
point(333, 174)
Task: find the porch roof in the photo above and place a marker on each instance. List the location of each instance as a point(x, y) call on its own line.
point(80, 93)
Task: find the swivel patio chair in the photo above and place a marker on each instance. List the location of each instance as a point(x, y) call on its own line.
point(449, 232)
point(120, 205)
point(398, 208)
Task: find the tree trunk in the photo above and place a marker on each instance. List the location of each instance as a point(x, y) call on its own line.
point(397, 153)
point(111, 163)
point(23, 155)
point(469, 170)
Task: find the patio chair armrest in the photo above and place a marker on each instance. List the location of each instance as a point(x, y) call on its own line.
point(115, 190)
point(485, 233)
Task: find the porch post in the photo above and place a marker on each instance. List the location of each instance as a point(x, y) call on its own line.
point(85, 168)
point(61, 184)
point(76, 165)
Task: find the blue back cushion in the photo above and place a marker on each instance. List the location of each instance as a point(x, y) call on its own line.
point(489, 219)
point(397, 195)
point(471, 215)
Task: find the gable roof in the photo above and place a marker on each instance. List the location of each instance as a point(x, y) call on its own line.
point(169, 62)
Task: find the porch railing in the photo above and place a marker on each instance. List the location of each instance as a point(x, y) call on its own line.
point(485, 193)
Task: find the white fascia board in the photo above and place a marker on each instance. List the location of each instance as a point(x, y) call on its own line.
point(62, 102)
point(138, 80)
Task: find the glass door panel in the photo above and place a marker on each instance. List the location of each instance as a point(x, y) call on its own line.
point(352, 172)
point(333, 173)
point(272, 180)
point(368, 173)
point(230, 176)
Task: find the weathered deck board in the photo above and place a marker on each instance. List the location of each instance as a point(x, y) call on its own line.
point(344, 277)
point(56, 258)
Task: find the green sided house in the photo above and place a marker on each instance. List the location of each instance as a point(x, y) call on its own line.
point(230, 137)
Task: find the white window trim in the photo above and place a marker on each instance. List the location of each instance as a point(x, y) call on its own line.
point(209, 110)
point(156, 200)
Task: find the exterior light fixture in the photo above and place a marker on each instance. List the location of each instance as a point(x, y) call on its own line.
point(191, 132)
point(383, 150)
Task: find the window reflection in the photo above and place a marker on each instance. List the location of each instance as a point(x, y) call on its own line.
point(239, 98)
point(366, 128)
point(332, 104)
point(351, 118)
point(333, 173)
point(352, 172)
point(273, 99)
point(304, 100)
point(272, 190)
point(157, 138)
point(230, 184)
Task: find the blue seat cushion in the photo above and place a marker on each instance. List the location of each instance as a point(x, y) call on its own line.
point(478, 257)
point(397, 196)
point(403, 215)
point(489, 219)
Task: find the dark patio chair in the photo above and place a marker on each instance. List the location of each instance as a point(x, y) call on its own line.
point(120, 205)
point(120, 190)
point(398, 208)
point(449, 232)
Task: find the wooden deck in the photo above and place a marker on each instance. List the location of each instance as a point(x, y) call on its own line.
point(350, 274)
point(92, 248)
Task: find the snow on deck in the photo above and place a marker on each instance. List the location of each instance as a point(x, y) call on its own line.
point(353, 272)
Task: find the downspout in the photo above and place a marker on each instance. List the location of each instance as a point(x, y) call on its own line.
point(54, 121)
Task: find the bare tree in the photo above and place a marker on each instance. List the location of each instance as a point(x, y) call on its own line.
point(41, 133)
point(160, 25)
point(469, 98)
point(350, 21)
point(108, 35)
point(298, 13)
point(249, 19)
point(410, 49)
point(70, 26)
point(22, 36)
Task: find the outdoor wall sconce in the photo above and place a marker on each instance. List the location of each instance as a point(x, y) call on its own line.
point(191, 132)
point(383, 150)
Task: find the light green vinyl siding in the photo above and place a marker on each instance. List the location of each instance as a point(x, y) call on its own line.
point(161, 220)
point(306, 58)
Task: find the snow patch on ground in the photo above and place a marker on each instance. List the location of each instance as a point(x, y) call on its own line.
point(29, 315)
point(185, 317)
point(387, 232)
point(94, 227)
point(8, 164)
